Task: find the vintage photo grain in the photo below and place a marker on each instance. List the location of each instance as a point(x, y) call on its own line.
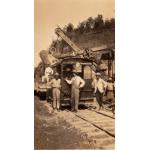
point(74, 74)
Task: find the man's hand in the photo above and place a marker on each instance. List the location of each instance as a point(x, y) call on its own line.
point(80, 87)
point(66, 78)
point(94, 93)
point(104, 93)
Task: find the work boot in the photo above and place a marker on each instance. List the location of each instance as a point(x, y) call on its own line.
point(58, 109)
point(72, 110)
point(75, 111)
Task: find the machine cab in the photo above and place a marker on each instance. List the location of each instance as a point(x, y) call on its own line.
point(83, 68)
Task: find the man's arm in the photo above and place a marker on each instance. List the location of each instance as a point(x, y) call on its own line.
point(94, 85)
point(105, 85)
point(82, 83)
point(51, 83)
point(59, 83)
point(68, 81)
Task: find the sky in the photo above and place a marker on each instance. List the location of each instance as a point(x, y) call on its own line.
point(50, 13)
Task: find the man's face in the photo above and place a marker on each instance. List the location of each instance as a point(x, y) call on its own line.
point(97, 76)
point(56, 77)
point(74, 74)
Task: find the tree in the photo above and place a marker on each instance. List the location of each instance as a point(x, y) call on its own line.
point(69, 27)
point(91, 21)
point(110, 23)
point(87, 27)
point(99, 23)
point(107, 24)
point(81, 27)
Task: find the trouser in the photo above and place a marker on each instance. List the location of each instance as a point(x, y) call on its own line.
point(74, 98)
point(99, 98)
point(48, 93)
point(111, 98)
point(56, 98)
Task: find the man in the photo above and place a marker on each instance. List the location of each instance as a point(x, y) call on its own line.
point(99, 89)
point(56, 86)
point(110, 93)
point(77, 83)
point(49, 88)
point(110, 89)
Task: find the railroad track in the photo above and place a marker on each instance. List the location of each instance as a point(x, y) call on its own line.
point(105, 113)
point(98, 128)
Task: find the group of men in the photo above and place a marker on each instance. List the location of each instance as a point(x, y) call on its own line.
point(54, 85)
point(77, 83)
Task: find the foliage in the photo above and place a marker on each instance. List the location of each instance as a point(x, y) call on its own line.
point(88, 26)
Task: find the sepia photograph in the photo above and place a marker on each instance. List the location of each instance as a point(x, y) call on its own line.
point(69, 87)
point(74, 74)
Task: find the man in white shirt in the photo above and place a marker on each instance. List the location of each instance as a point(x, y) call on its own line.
point(77, 83)
point(56, 86)
point(99, 89)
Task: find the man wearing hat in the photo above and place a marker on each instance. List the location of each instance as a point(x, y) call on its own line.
point(110, 89)
point(110, 93)
point(99, 89)
point(56, 86)
point(49, 88)
point(77, 83)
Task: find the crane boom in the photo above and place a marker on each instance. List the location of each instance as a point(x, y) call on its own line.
point(75, 48)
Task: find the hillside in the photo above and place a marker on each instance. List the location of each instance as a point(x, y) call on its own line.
point(89, 33)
